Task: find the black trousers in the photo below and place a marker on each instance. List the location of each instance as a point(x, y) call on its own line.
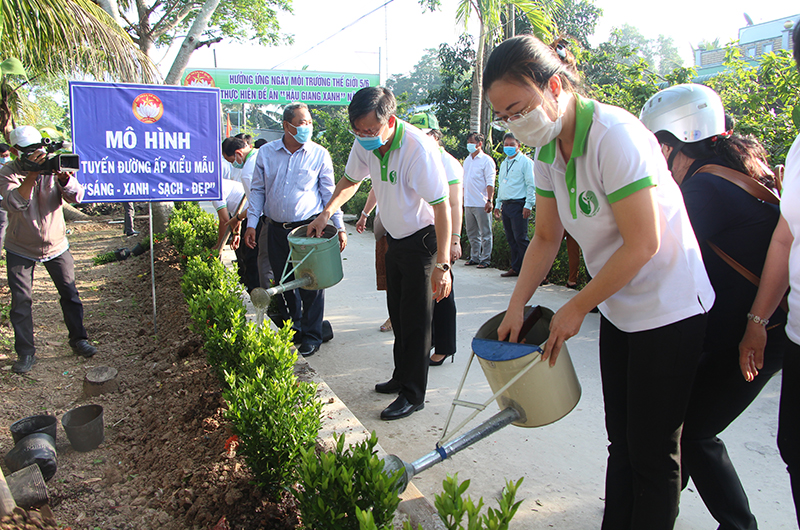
point(20, 281)
point(247, 260)
point(720, 394)
point(409, 264)
point(647, 379)
point(304, 307)
point(443, 333)
point(788, 424)
point(516, 228)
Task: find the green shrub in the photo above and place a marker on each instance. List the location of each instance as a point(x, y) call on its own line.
point(263, 347)
point(334, 485)
point(356, 204)
point(106, 257)
point(273, 415)
point(202, 274)
point(192, 231)
point(452, 507)
point(214, 308)
point(274, 418)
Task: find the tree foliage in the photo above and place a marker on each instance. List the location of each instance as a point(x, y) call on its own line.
point(577, 19)
point(64, 37)
point(762, 100)
point(660, 53)
point(451, 99)
point(45, 39)
point(157, 23)
point(424, 78)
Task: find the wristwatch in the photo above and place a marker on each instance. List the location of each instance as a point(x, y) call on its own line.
point(443, 266)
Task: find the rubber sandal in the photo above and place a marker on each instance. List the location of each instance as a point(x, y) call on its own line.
point(386, 326)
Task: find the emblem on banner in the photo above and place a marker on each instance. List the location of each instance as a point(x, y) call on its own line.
point(148, 108)
point(199, 78)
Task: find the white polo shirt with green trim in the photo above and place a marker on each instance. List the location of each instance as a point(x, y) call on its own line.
point(614, 155)
point(407, 180)
point(452, 168)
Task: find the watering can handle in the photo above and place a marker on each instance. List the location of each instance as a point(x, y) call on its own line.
point(531, 319)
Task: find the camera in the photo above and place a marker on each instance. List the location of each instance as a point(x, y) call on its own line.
point(54, 162)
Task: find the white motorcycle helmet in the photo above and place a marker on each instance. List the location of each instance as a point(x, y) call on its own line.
point(689, 112)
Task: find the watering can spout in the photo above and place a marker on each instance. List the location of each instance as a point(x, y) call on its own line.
point(393, 463)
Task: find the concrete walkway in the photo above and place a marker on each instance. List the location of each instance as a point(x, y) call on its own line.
point(564, 463)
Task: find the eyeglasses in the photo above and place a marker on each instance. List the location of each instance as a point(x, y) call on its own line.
point(501, 124)
point(367, 134)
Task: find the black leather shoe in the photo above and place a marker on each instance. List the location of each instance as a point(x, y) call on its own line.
point(84, 348)
point(389, 387)
point(24, 364)
point(307, 350)
point(400, 408)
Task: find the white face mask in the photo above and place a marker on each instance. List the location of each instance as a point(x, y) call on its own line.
point(535, 129)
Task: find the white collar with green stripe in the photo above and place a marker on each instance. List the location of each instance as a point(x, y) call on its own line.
point(397, 142)
point(584, 114)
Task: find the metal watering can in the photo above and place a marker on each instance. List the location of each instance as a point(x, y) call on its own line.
point(316, 264)
point(529, 393)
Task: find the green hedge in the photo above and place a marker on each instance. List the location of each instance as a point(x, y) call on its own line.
point(274, 415)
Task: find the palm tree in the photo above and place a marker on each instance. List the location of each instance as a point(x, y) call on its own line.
point(489, 13)
point(66, 37)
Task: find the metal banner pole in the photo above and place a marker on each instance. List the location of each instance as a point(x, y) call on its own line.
point(152, 268)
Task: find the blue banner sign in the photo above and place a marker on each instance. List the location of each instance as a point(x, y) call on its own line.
point(145, 143)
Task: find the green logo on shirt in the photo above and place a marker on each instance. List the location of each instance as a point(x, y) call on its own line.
point(588, 203)
point(393, 177)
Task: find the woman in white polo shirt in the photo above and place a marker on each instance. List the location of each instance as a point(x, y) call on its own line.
point(600, 175)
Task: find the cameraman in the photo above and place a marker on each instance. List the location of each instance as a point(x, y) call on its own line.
point(37, 233)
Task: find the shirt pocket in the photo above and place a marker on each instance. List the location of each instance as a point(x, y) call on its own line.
point(305, 180)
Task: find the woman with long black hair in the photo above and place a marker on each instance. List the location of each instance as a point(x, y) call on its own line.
point(732, 202)
point(600, 175)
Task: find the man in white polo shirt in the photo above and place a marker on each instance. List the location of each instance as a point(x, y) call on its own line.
point(479, 173)
point(411, 188)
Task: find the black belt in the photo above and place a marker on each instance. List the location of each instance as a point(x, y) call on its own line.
point(513, 200)
point(294, 224)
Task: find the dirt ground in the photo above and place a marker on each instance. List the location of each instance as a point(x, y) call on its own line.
point(164, 463)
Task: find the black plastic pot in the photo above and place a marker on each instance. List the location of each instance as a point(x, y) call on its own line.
point(37, 448)
point(28, 487)
point(84, 427)
point(42, 423)
point(139, 249)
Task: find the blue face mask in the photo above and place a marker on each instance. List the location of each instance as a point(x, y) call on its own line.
point(304, 133)
point(370, 143)
point(4, 159)
point(236, 164)
point(510, 150)
point(472, 148)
